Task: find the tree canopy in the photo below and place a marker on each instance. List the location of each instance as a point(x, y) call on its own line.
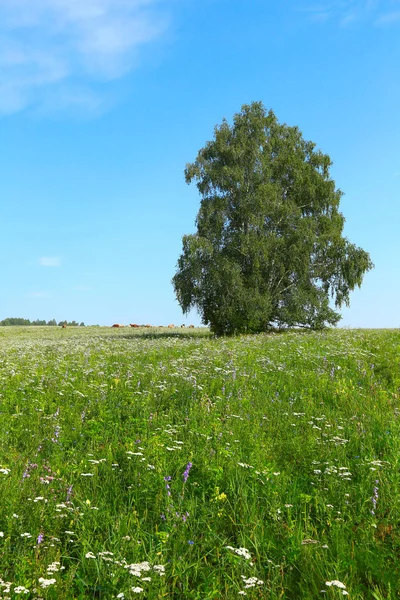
point(12, 321)
point(269, 249)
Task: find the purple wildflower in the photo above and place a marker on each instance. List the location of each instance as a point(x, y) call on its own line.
point(69, 492)
point(167, 487)
point(28, 469)
point(40, 538)
point(375, 497)
point(186, 473)
point(56, 434)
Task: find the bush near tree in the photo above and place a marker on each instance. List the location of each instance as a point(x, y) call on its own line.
point(269, 250)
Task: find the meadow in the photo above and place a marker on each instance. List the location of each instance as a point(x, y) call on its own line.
point(174, 465)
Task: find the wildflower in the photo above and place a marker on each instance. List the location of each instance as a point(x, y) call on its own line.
point(40, 538)
point(56, 434)
point(336, 583)
point(1, 533)
point(186, 473)
point(240, 552)
point(121, 595)
point(160, 569)
point(191, 542)
point(90, 555)
point(375, 497)
point(69, 491)
point(54, 567)
point(44, 583)
point(20, 589)
point(137, 590)
point(251, 581)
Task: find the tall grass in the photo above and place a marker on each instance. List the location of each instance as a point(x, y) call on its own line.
point(174, 465)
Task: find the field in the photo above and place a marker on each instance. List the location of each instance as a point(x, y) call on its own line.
point(174, 465)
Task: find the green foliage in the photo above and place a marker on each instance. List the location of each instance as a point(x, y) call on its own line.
point(17, 321)
point(269, 249)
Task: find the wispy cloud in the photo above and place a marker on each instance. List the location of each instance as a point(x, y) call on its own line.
point(348, 12)
point(50, 261)
point(388, 18)
point(56, 51)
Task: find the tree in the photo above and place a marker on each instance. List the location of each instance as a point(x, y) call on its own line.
point(269, 249)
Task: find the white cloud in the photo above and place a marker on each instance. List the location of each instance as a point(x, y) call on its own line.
point(55, 51)
point(50, 261)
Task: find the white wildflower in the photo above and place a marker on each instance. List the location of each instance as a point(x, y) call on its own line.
point(240, 552)
point(20, 589)
point(336, 583)
point(44, 583)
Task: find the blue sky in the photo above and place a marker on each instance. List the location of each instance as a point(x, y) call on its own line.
point(103, 102)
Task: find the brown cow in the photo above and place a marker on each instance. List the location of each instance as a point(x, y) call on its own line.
point(191, 326)
point(133, 325)
point(64, 326)
point(117, 325)
point(171, 326)
point(147, 325)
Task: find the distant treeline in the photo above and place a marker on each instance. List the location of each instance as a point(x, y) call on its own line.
point(53, 322)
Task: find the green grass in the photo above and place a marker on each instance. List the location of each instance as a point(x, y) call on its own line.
point(294, 441)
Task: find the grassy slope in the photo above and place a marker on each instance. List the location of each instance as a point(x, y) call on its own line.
point(294, 444)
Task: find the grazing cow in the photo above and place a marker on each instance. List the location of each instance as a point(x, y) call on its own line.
point(191, 326)
point(147, 325)
point(133, 325)
point(171, 326)
point(117, 325)
point(64, 326)
point(183, 325)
